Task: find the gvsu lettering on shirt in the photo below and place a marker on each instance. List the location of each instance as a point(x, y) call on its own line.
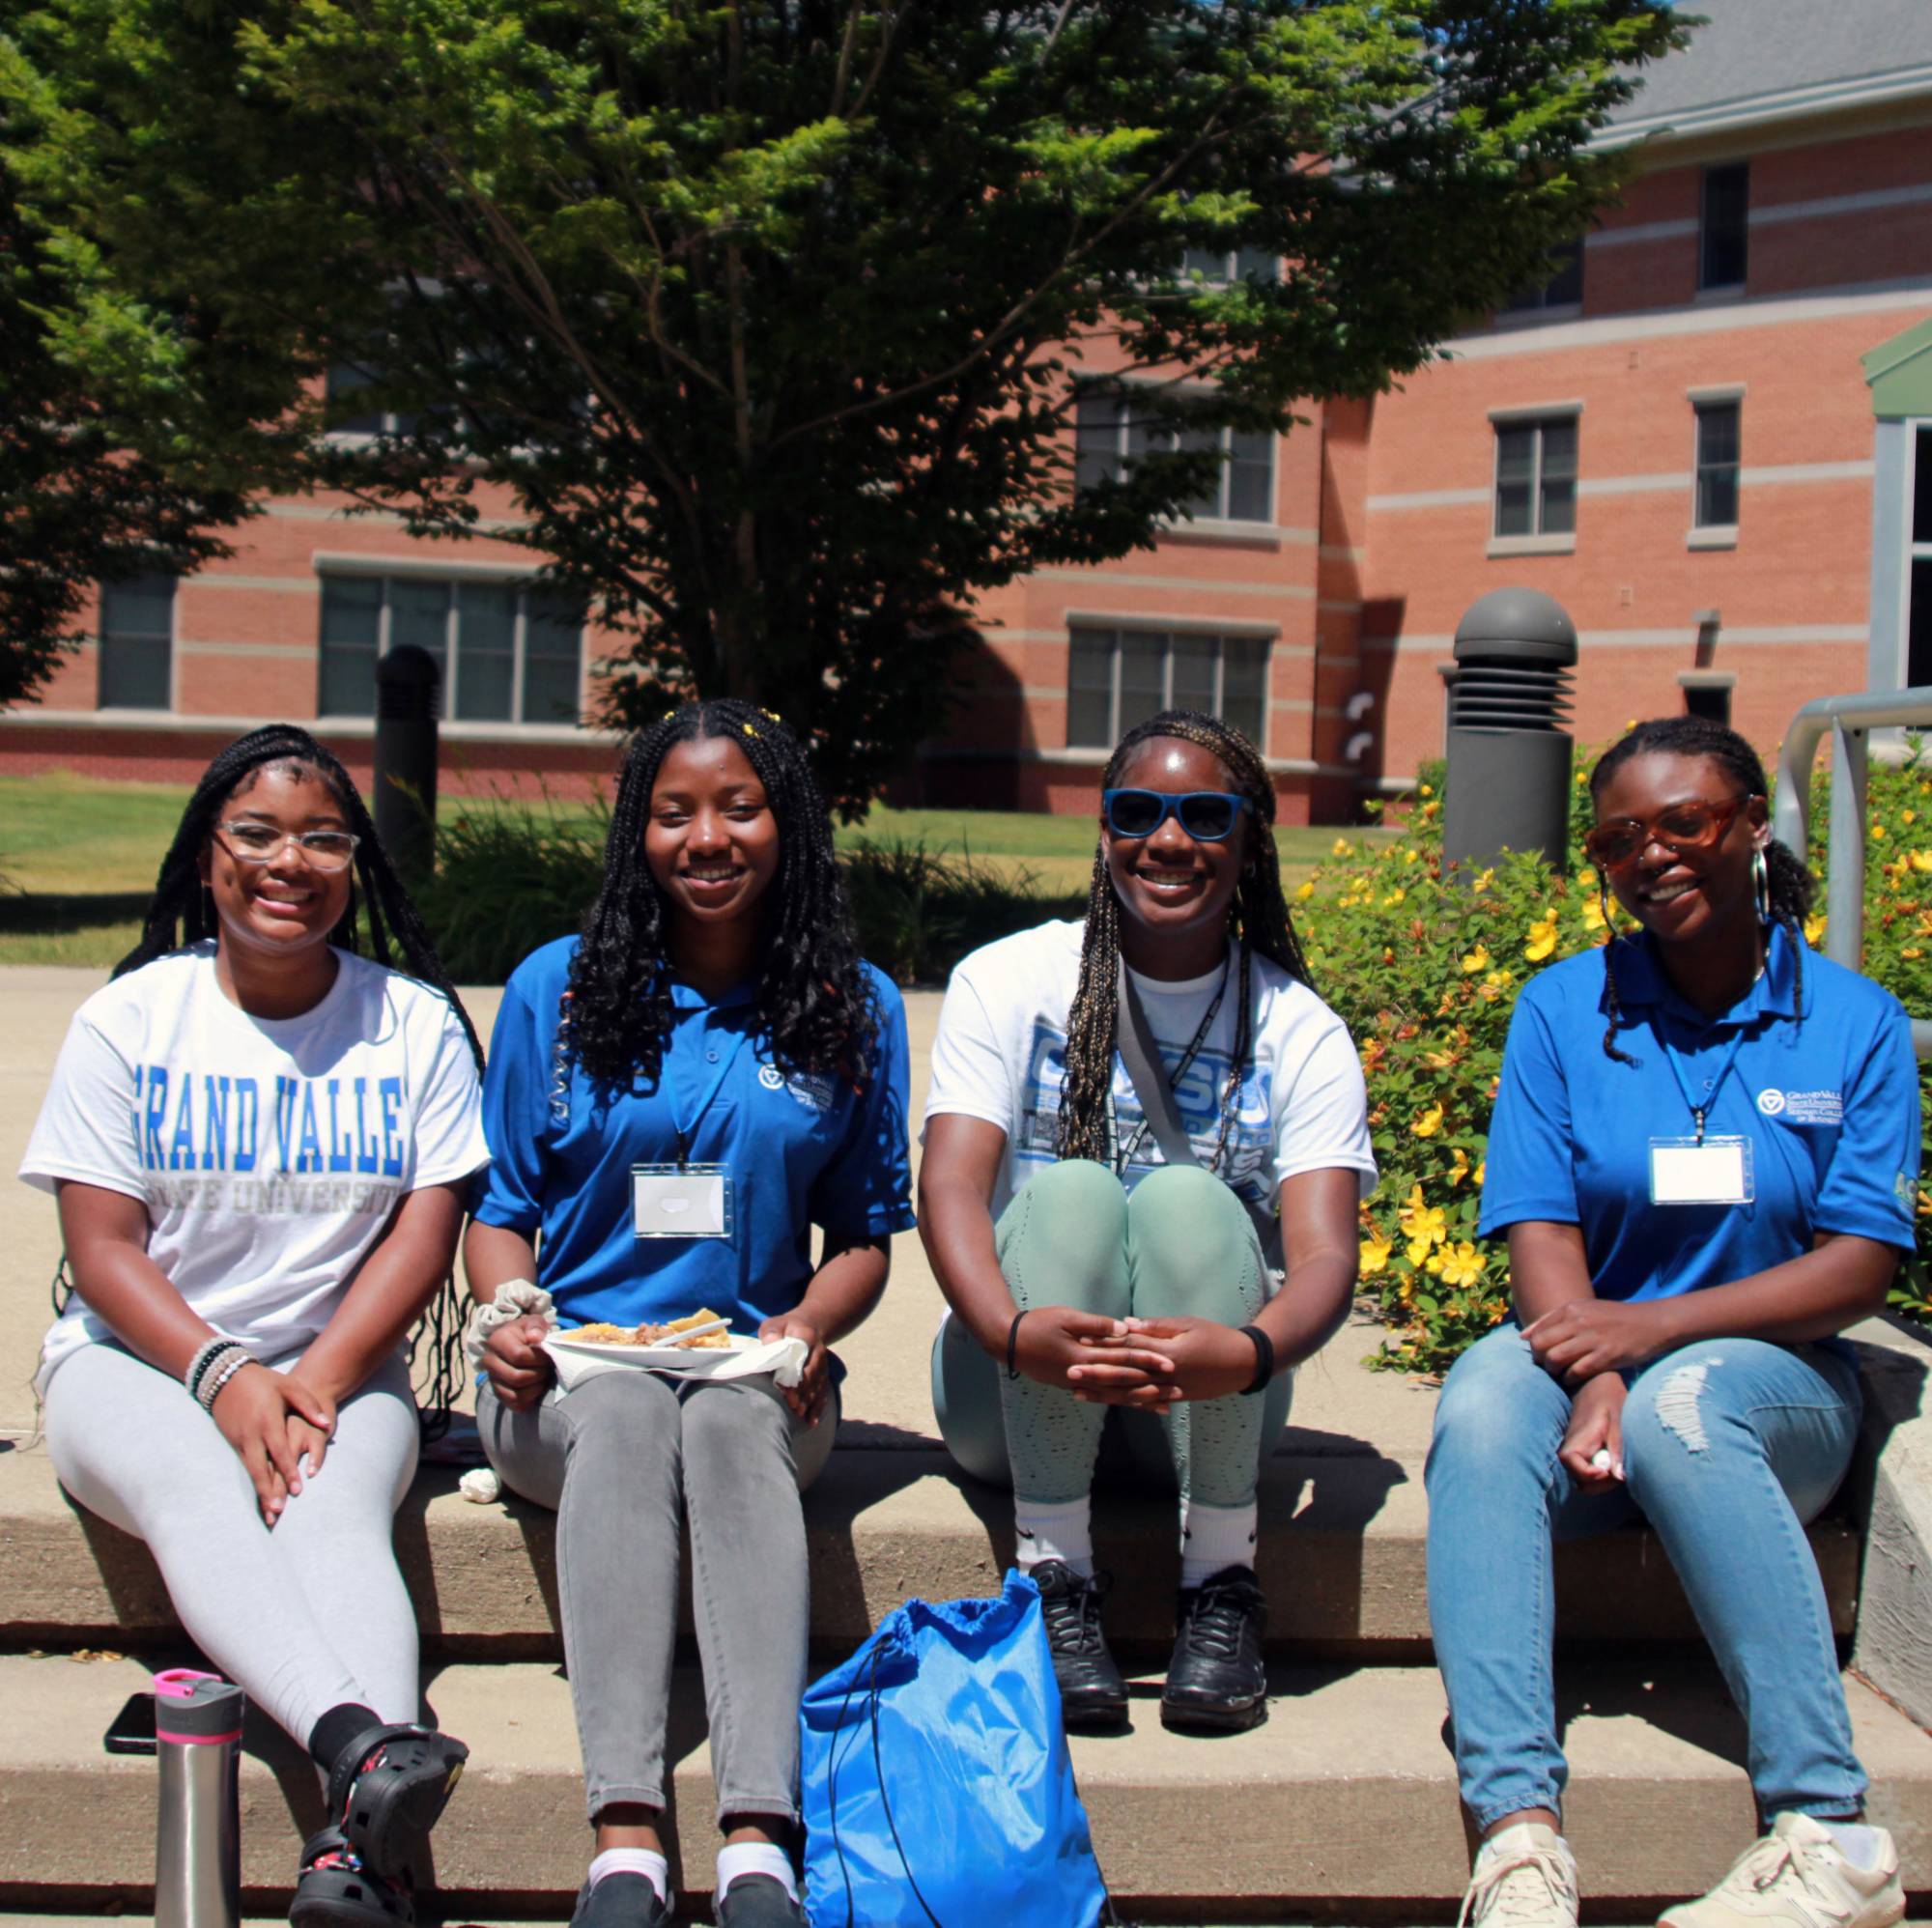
point(1248, 1161)
point(1802, 1106)
point(205, 1122)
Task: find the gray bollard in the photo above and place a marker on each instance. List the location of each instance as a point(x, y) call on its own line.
point(405, 690)
point(1507, 781)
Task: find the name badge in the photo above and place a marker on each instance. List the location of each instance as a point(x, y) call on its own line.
point(1717, 1172)
point(681, 1202)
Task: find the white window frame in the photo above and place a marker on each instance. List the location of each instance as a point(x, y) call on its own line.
point(1539, 541)
point(1219, 520)
point(172, 704)
point(1220, 632)
point(512, 576)
point(1703, 534)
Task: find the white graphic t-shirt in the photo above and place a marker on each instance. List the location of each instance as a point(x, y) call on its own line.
point(1001, 1055)
point(269, 1152)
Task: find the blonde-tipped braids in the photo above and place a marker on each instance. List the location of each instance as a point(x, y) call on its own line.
point(1258, 917)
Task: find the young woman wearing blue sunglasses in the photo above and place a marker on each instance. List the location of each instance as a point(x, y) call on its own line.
point(1096, 1250)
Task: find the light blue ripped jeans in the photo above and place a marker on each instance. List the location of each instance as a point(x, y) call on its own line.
point(1730, 1446)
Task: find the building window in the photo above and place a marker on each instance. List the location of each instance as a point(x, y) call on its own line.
point(1536, 476)
point(509, 652)
point(1919, 585)
point(1723, 226)
point(1221, 265)
point(1110, 438)
point(1717, 503)
point(137, 636)
point(1119, 677)
point(345, 382)
point(1564, 289)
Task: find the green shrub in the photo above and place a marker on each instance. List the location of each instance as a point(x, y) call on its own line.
point(511, 875)
point(1425, 972)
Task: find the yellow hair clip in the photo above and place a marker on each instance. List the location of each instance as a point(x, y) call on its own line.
point(748, 729)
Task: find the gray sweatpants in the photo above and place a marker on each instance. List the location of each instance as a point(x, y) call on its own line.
point(303, 1618)
point(620, 1458)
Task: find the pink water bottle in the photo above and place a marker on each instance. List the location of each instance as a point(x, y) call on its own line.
point(198, 1825)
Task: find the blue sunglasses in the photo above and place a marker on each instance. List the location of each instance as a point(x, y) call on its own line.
point(1207, 816)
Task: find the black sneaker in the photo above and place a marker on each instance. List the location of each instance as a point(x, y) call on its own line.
point(757, 1901)
point(1216, 1679)
point(622, 1900)
point(1091, 1691)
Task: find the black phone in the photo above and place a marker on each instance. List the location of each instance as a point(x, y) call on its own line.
point(131, 1731)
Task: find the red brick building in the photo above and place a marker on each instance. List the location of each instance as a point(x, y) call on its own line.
point(1709, 437)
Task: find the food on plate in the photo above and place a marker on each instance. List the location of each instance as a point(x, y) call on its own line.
point(668, 1334)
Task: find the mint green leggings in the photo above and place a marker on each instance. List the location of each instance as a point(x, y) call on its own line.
point(1180, 1242)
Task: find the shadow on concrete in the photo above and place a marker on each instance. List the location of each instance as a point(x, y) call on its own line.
point(63, 914)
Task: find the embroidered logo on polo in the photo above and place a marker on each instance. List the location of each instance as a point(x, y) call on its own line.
point(771, 1077)
point(1802, 1106)
point(811, 1089)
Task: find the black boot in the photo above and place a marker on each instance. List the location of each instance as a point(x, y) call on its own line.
point(1216, 1679)
point(1091, 1691)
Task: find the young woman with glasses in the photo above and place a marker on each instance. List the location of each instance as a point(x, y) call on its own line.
point(261, 1144)
point(1704, 1156)
point(1088, 1265)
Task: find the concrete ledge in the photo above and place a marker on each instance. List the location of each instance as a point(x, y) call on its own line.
point(1893, 1494)
point(1341, 1557)
point(1346, 1792)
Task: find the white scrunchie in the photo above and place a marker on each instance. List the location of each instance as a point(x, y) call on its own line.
point(516, 1298)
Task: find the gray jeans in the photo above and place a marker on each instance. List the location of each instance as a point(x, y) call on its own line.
point(619, 1460)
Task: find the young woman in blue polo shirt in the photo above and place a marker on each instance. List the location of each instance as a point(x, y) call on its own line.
point(715, 1012)
point(1704, 1155)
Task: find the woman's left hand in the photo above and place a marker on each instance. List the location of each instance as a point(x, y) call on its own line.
point(807, 1398)
point(1583, 1337)
point(1210, 1360)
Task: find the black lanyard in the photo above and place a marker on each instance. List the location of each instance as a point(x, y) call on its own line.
point(1123, 1155)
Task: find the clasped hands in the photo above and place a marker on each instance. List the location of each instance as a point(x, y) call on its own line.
point(1144, 1363)
point(1588, 1343)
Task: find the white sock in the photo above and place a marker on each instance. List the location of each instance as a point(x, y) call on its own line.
point(646, 1861)
point(756, 1858)
point(1060, 1531)
point(1214, 1537)
point(1499, 1843)
point(1856, 1842)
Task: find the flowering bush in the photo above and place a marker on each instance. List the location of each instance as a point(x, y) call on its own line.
point(1425, 972)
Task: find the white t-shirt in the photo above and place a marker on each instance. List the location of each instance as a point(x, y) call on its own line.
point(269, 1152)
point(1001, 1055)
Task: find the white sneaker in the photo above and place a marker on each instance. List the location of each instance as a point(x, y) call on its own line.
point(1524, 1878)
point(1798, 1875)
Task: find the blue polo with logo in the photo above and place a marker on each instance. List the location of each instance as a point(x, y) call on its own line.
point(801, 1151)
point(1829, 1105)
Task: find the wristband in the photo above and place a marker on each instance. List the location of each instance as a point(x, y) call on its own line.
point(1263, 1360)
point(1013, 1343)
point(198, 1364)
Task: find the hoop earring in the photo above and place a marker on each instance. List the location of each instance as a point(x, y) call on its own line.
point(1761, 886)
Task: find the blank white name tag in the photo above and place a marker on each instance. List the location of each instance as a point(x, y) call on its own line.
point(680, 1202)
point(1717, 1172)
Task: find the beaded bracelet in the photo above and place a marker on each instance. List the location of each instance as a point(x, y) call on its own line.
point(218, 1375)
point(199, 1363)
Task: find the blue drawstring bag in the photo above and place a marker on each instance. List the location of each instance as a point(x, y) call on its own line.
point(935, 1772)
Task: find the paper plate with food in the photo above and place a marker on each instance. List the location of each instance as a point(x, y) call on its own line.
point(700, 1342)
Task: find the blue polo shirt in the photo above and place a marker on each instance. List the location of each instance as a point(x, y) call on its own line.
point(1831, 1107)
point(801, 1151)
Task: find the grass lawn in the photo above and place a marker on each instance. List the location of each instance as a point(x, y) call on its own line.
point(78, 857)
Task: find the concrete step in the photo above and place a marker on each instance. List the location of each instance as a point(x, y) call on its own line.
point(1341, 1557)
point(1343, 1804)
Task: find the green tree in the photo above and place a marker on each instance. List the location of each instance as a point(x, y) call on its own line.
point(94, 481)
point(771, 314)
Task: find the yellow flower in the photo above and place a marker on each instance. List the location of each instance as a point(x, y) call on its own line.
point(1586, 877)
point(1462, 1265)
point(1593, 916)
point(1908, 816)
point(1426, 1223)
point(1460, 1169)
point(1814, 928)
point(1433, 1264)
point(1395, 896)
point(1302, 895)
point(1429, 810)
point(1408, 855)
point(1376, 1251)
point(1481, 1166)
point(1911, 950)
point(1429, 1124)
point(1922, 860)
point(1877, 831)
point(1423, 790)
point(1340, 846)
point(1418, 1248)
point(1484, 880)
point(1475, 960)
point(1542, 940)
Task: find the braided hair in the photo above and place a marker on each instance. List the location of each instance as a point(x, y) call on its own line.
point(1792, 885)
point(1257, 916)
point(182, 912)
point(816, 1010)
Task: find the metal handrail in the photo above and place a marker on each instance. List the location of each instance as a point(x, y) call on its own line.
point(1849, 722)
